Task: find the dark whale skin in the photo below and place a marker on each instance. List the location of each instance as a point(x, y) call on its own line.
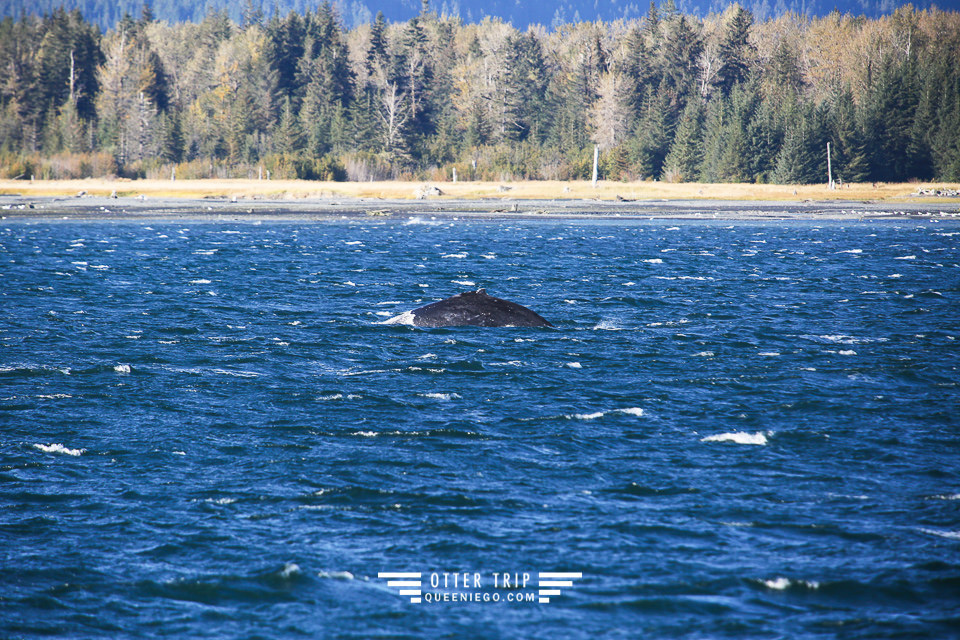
point(472, 309)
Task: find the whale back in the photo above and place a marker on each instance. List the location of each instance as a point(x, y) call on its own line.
point(475, 309)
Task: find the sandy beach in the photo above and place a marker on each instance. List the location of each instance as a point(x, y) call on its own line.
point(255, 200)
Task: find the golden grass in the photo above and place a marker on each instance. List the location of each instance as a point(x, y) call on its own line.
point(546, 190)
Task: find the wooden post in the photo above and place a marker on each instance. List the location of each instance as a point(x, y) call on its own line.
point(829, 169)
point(73, 98)
point(596, 158)
point(260, 173)
point(454, 175)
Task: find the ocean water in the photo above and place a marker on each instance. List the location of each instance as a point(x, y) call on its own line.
point(736, 429)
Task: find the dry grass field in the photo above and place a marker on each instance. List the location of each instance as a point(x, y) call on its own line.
point(545, 190)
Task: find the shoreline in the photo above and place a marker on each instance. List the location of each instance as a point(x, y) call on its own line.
point(82, 206)
point(166, 209)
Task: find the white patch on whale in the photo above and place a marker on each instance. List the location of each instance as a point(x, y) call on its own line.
point(405, 318)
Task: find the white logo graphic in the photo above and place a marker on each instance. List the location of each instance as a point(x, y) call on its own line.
point(409, 583)
point(549, 581)
point(461, 587)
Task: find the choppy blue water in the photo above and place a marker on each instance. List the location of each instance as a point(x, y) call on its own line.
point(735, 430)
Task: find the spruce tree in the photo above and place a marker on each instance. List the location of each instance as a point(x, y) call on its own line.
point(733, 161)
point(171, 137)
point(377, 52)
point(736, 53)
point(285, 49)
point(682, 163)
point(802, 158)
point(764, 136)
point(889, 115)
point(715, 117)
point(681, 52)
point(651, 138)
point(850, 161)
point(288, 138)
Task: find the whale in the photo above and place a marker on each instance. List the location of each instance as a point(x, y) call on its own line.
point(471, 309)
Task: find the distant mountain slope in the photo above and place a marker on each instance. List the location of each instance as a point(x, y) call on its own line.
point(520, 13)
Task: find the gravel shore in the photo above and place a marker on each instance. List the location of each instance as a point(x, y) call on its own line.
point(15, 207)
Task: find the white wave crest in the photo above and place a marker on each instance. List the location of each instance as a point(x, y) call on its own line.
point(839, 338)
point(235, 374)
point(949, 535)
point(365, 434)
point(589, 416)
point(739, 437)
point(630, 411)
point(606, 325)
point(906, 258)
point(574, 365)
point(419, 220)
point(122, 368)
point(335, 575)
point(440, 396)
point(780, 584)
point(59, 448)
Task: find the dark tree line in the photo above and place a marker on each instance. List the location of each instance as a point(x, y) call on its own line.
point(667, 97)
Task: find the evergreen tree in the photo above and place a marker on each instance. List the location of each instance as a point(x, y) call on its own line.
point(363, 117)
point(802, 158)
point(252, 15)
point(889, 116)
point(944, 141)
point(66, 64)
point(735, 149)
point(681, 51)
point(651, 138)
point(524, 89)
point(737, 55)
point(715, 118)
point(146, 15)
point(417, 74)
point(850, 160)
point(171, 137)
point(285, 51)
point(377, 52)
point(764, 138)
point(288, 137)
point(682, 163)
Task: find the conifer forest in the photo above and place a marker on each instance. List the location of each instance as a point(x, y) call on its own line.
point(667, 96)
